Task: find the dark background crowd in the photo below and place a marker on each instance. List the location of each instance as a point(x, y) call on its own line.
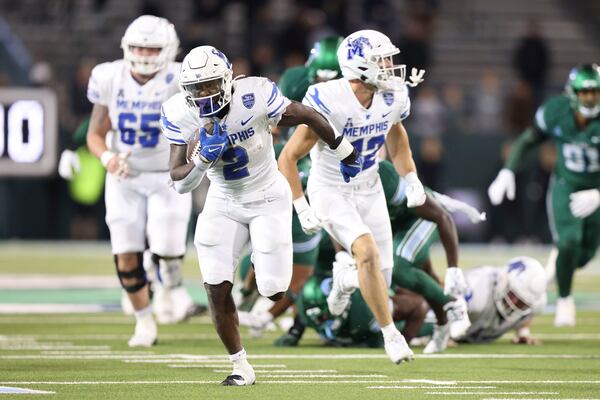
point(489, 65)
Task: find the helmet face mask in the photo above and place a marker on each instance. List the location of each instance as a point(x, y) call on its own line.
point(149, 32)
point(206, 78)
point(520, 289)
point(583, 87)
point(368, 56)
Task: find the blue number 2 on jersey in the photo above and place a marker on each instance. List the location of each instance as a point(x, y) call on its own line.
point(236, 159)
point(373, 145)
point(148, 125)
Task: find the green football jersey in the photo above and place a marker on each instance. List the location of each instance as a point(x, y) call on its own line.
point(578, 150)
point(294, 83)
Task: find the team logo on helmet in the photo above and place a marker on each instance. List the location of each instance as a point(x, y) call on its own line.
point(222, 56)
point(248, 100)
point(356, 46)
point(516, 266)
point(388, 98)
point(169, 78)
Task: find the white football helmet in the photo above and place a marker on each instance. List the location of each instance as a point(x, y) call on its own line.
point(206, 77)
point(368, 55)
point(521, 288)
point(151, 32)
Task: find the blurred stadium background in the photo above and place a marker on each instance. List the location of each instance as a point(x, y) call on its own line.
point(488, 65)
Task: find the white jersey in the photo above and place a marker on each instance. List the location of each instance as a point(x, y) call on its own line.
point(487, 324)
point(249, 163)
point(134, 111)
point(366, 128)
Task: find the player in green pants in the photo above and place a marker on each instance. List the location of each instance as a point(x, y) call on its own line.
point(571, 121)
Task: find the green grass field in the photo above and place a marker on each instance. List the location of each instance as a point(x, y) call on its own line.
point(85, 355)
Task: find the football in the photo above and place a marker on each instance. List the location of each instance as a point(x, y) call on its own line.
point(193, 146)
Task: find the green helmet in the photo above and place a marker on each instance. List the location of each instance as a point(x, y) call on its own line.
point(314, 301)
point(585, 77)
point(322, 62)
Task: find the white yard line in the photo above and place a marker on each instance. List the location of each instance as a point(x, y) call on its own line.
point(14, 390)
point(74, 383)
point(222, 365)
point(480, 393)
point(286, 371)
point(431, 387)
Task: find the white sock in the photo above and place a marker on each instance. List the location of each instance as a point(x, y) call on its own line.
point(239, 356)
point(143, 313)
point(389, 331)
point(350, 281)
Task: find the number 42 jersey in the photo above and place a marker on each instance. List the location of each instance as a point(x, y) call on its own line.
point(249, 163)
point(365, 128)
point(134, 111)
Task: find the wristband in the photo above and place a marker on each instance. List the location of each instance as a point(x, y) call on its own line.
point(300, 204)
point(106, 156)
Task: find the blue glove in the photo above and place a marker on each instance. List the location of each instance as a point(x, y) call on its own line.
point(351, 170)
point(213, 146)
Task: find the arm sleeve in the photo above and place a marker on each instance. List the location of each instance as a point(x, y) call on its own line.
point(191, 180)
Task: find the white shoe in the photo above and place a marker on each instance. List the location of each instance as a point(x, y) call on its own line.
point(565, 312)
point(163, 306)
point(439, 340)
point(397, 349)
point(458, 318)
point(242, 375)
point(551, 266)
point(145, 333)
point(339, 297)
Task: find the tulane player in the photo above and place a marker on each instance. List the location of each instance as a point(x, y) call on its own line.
point(322, 65)
point(248, 199)
point(127, 96)
point(571, 122)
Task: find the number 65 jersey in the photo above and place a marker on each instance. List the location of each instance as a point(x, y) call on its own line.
point(249, 162)
point(134, 111)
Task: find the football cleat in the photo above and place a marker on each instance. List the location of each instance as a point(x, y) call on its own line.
point(397, 349)
point(145, 333)
point(439, 339)
point(565, 312)
point(339, 297)
point(242, 375)
point(458, 318)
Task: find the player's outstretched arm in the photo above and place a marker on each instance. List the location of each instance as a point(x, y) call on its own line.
point(432, 211)
point(96, 142)
point(297, 114)
point(401, 156)
point(504, 184)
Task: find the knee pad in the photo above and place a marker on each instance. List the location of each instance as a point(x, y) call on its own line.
point(135, 279)
point(169, 270)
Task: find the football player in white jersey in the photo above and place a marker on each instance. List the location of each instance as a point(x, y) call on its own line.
point(248, 198)
point(503, 299)
point(127, 96)
point(366, 106)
